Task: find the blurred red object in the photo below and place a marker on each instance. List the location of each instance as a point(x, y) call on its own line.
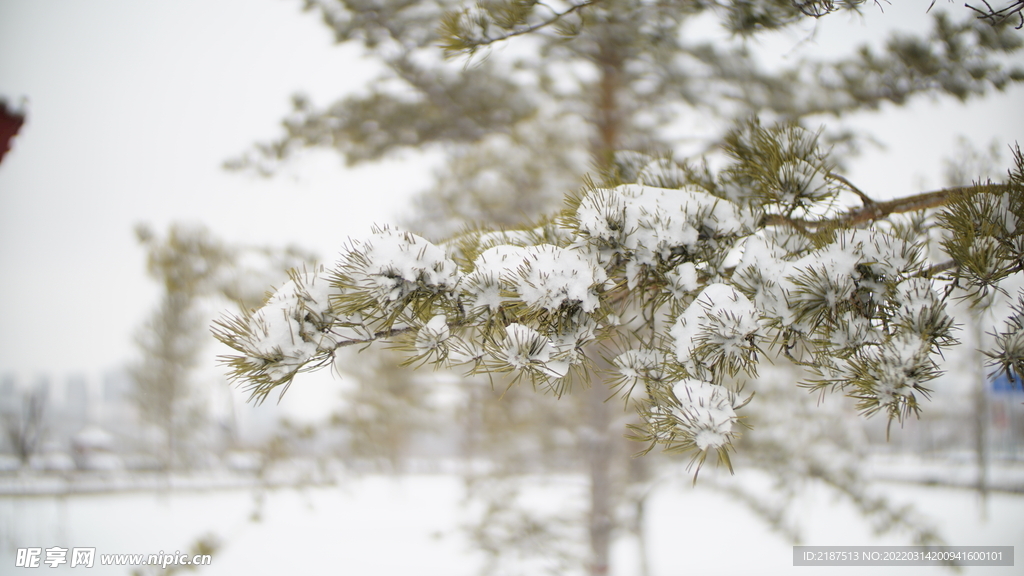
point(10, 122)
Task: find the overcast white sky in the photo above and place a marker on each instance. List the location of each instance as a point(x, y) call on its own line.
point(134, 105)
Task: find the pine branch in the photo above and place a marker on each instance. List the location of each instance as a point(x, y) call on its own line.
point(939, 268)
point(383, 335)
point(555, 18)
point(256, 380)
point(872, 211)
point(456, 42)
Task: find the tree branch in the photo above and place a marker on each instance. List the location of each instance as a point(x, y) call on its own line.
point(939, 268)
point(873, 211)
point(475, 43)
point(998, 16)
point(867, 200)
point(382, 335)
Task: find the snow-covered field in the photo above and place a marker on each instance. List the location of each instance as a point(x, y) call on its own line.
point(378, 525)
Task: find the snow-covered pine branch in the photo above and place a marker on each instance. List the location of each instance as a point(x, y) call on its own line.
point(692, 284)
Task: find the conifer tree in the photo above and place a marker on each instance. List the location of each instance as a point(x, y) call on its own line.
point(681, 279)
point(385, 412)
point(191, 266)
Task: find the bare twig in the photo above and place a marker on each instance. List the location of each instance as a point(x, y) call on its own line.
point(863, 197)
point(998, 16)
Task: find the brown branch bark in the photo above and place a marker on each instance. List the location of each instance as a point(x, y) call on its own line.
point(873, 211)
point(382, 335)
point(939, 268)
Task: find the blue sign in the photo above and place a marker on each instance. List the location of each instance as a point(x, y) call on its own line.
point(1002, 383)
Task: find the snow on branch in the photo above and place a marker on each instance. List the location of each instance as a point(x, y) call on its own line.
point(694, 284)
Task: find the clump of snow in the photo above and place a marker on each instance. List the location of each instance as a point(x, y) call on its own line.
point(636, 365)
point(706, 410)
point(884, 254)
point(492, 271)
point(916, 294)
point(682, 279)
point(552, 277)
point(895, 368)
point(720, 317)
point(392, 264)
point(857, 259)
point(798, 178)
point(572, 339)
point(920, 308)
point(653, 220)
point(294, 325)
point(1006, 215)
point(650, 225)
point(544, 277)
point(432, 335)
point(525, 348)
point(854, 332)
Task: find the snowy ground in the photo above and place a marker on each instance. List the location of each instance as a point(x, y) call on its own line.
point(411, 525)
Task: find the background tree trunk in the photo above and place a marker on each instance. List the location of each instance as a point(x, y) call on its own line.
point(608, 118)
